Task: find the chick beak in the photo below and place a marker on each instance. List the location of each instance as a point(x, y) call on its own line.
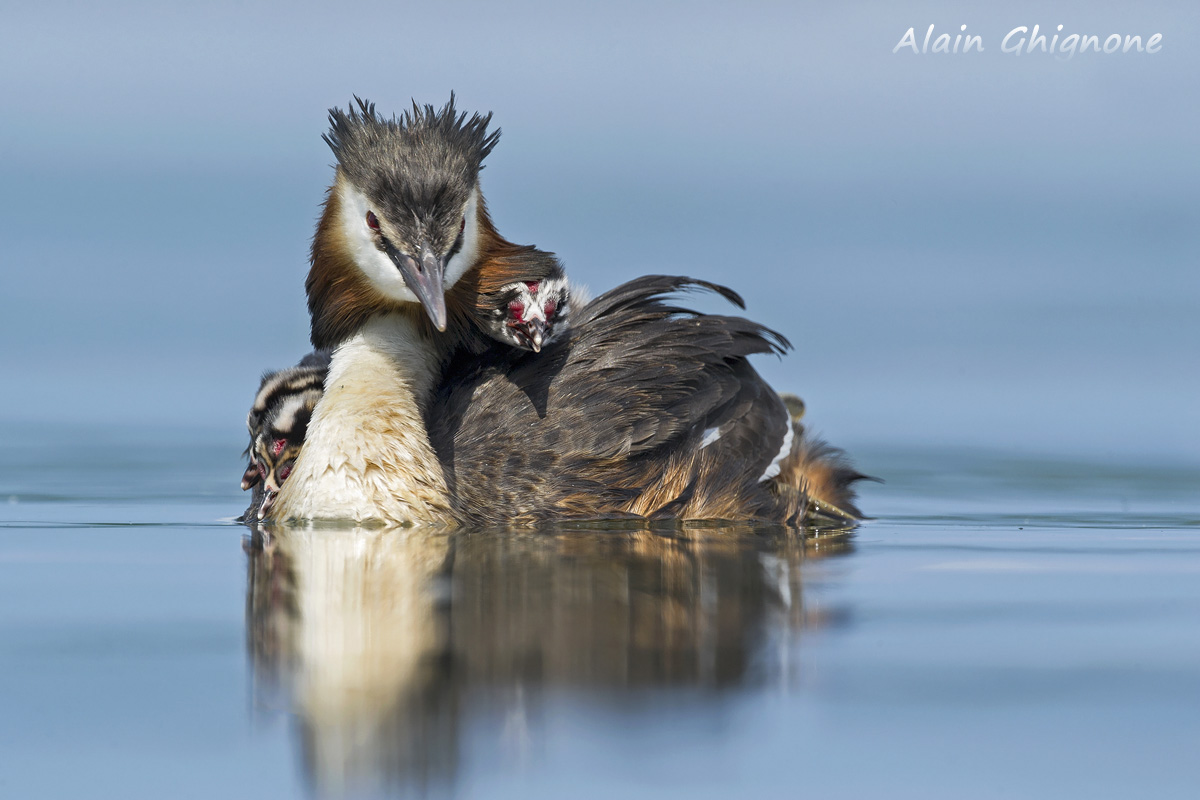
point(423, 274)
point(250, 477)
point(268, 500)
point(535, 331)
point(272, 483)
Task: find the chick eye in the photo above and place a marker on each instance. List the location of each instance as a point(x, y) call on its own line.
point(550, 308)
point(517, 309)
point(372, 221)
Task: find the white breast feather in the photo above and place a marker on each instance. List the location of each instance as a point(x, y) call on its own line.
point(367, 456)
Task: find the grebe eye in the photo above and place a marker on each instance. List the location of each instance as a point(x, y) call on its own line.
point(517, 309)
point(550, 308)
point(462, 226)
point(372, 221)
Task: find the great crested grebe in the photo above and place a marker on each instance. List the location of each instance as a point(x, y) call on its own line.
point(641, 408)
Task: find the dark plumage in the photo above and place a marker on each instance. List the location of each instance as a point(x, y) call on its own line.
point(613, 421)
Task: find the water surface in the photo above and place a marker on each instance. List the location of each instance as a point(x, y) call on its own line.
point(1006, 627)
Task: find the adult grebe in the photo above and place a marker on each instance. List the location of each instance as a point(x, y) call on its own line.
point(642, 408)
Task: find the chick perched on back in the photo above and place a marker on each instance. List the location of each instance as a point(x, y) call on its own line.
point(521, 299)
point(529, 315)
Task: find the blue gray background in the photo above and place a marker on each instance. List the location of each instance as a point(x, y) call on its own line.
point(974, 250)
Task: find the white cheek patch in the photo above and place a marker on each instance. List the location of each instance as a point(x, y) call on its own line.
point(374, 263)
point(468, 254)
point(784, 452)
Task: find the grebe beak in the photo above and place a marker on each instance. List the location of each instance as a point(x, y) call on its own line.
point(423, 275)
point(536, 332)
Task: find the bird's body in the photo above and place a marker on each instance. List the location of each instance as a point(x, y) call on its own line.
point(367, 456)
point(679, 425)
point(640, 408)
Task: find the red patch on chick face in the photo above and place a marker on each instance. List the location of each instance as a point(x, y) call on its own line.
point(277, 446)
point(516, 310)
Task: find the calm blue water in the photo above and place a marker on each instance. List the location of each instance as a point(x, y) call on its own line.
point(1005, 628)
point(979, 258)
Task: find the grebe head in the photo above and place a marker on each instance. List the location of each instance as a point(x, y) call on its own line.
point(530, 314)
point(405, 208)
point(278, 423)
point(274, 450)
